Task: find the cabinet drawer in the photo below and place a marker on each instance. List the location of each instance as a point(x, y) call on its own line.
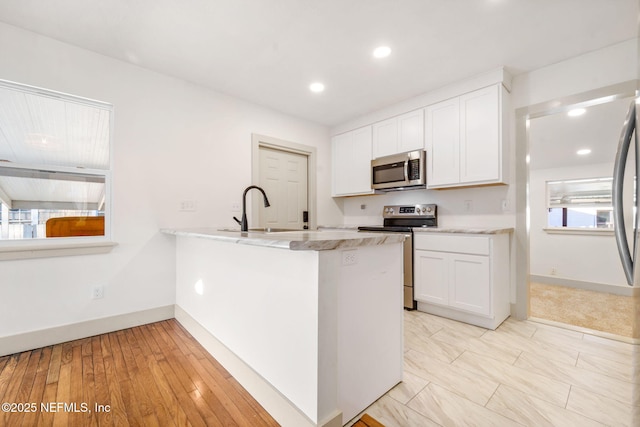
point(465, 244)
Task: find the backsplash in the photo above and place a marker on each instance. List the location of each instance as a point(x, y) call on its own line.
point(461, 207)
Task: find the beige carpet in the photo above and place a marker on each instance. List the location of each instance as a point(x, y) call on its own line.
point(609, 313)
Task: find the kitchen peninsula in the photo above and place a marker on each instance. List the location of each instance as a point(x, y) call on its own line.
point(309, 322)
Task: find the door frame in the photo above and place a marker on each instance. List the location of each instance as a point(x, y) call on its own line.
point(258, 141)
point(523, 115)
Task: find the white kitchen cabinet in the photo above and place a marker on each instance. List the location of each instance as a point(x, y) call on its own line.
point(399, 134)
point(443, 143)
point(464, 139)
point(431, 274)
point(463, 276)
point(351, 163)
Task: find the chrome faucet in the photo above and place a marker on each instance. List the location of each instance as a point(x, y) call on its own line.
point(244, 225)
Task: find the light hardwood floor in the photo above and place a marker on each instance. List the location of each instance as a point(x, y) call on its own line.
point(522, 374)
point(152, 375)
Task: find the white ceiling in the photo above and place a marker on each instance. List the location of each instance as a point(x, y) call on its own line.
point(54, 131)
point(269, 51)
point(43, 130)
point(555, 139)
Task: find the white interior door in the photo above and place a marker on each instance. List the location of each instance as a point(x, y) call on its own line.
point(283, 176)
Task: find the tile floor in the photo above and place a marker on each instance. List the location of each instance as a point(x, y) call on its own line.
point(523, 373)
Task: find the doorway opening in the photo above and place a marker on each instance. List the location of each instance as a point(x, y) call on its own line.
point(287, 172)
point(568, 271)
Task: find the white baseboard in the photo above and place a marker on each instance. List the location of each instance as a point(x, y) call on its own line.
point(59, 334)
point(278, 406)
point(627, 291)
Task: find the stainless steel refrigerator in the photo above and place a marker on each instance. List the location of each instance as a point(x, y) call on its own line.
point(627, 155)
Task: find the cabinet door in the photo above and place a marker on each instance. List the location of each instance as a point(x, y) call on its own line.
point(470, 283)
point(480, 137)
point(341, 153)
point(411, 131)
point(431, 277)
point(360, 169)
point(351, 162)
point(442, 143)
point(385, 138)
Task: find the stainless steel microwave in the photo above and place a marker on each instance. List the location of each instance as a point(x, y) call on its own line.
point(404, 171)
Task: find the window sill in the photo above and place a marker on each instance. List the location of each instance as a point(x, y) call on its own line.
point(580, 231)
point(30, 250)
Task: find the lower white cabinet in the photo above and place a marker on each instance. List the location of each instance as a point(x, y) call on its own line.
point(463, 276)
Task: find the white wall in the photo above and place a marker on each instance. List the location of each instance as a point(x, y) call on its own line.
point(173, 141)
point(583, 258)
point(614, 64)
point(486, 206)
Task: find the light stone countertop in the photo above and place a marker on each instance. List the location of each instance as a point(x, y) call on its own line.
point(293, 240)
point(460, 230)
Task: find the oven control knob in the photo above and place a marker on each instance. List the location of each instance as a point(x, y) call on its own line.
point(424, 210)
point(428, 209)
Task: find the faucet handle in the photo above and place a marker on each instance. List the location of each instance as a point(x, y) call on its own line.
point(237, 220)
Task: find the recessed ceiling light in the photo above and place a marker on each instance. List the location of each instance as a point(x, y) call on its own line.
point(576, 112)
point(583, 152)
point(316, 87)
point(382, 52)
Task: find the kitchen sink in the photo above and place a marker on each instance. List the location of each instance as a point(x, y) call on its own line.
point(261, 230)
point(271, 230)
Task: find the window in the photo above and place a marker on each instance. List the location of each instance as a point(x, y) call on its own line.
point(580, 203)
point(55, 175)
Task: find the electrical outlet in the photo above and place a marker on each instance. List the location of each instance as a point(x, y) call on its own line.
point(468, 205)
point(235, 207)
point(187, 206)
point(97, 292)
point(554, 271)
point(350, 257)
point(505, 205)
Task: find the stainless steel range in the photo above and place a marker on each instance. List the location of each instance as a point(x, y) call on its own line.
point(403, 219)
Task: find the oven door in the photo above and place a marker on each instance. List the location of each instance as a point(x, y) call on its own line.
point(409, 301)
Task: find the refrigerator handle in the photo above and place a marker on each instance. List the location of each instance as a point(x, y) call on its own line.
point(618, 182)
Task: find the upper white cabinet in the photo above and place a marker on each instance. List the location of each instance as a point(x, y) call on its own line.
point(464, 139)
point(399, 134)
point(351, 158)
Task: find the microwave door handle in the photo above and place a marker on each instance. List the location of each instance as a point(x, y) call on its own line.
point(406, 171)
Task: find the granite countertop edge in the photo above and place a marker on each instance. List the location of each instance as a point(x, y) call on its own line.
point(292, 240)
